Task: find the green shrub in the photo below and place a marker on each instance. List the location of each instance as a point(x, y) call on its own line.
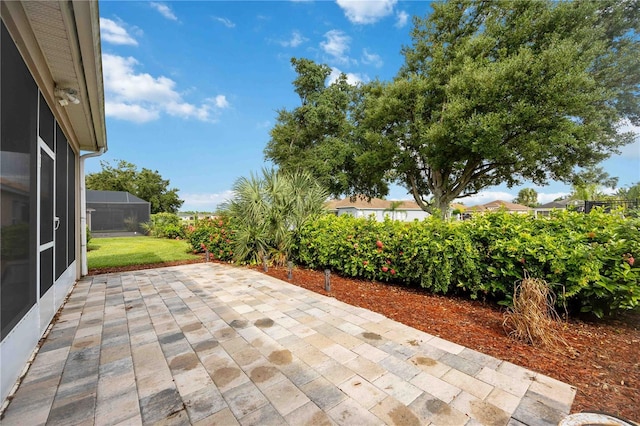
point(432, 253)
point(587, 259)
point(88, 235)
point(215, 235)
point(164, 225)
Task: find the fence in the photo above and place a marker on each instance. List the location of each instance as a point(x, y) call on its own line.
point(609, 205)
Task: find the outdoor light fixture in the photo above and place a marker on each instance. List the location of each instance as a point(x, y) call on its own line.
point(66, 96)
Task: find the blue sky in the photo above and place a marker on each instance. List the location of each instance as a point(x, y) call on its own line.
point(192, 87)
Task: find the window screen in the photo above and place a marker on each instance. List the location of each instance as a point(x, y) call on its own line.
point(18, 142)
point(46, 127)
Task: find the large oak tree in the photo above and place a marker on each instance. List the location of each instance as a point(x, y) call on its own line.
point(491, 92)
point(499, 92)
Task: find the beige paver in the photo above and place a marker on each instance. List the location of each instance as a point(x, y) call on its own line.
point(210, 344)
point(400, 389)
point(349, 413)
point(436, 387)
point(362, 391)
point(285, 396)
point(465, 382)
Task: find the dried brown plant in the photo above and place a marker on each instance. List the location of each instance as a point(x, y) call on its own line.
point(532, 318)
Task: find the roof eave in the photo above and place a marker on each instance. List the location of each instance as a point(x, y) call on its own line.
point(84, 124)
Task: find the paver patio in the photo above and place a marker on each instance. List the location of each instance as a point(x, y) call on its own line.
point(213, 344)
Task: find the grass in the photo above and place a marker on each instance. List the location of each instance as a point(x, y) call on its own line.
point(126, 251)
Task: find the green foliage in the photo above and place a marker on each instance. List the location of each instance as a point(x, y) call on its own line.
point(632, 193)
point(587, 184)
point(587, 259)
point(527, 197)
point(215, 235)
point(431, 253)
point(491, 92)
point(145, 184)
point(497, 92)
point(317, 136)
point(164, 225)
point(268, 211)
point(88, 235)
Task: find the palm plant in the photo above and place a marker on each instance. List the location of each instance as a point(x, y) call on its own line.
point(268, 210)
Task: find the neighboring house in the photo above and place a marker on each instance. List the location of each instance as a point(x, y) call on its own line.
point(495, 206)
point(52, 109)
point(545, 209)
point(360, 207)
point(115, 211)
point(187, 217)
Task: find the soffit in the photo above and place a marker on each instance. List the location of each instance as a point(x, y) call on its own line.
point(68, 41)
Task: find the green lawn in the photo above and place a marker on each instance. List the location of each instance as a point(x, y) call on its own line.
point(125, 251)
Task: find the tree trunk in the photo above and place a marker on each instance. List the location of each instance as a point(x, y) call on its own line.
point(442, 204)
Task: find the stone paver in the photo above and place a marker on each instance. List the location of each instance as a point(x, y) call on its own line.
point(211, 344)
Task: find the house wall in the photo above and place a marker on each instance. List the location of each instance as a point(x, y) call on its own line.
point(403, 215)
point(39, 215)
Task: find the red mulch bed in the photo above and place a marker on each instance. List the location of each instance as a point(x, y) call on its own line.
point(606, 369)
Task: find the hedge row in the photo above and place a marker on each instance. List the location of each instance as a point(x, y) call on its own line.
point(587, 259)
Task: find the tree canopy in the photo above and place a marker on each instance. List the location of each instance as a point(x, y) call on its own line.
point(320, 136)
point(527, 197)
point(632, 193)
point(146, 184)
point(588, 184)
point(490, 93)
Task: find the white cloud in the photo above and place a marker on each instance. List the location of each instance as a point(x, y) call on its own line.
point(219, 101)
point(164, 10)
point(205, 201)
point(371, 59)
point(544, 198)
point(135, 113)
point(352, 78)
point(113, 32)
point(402, 18)
point(226, 22)
point(336, 45)
point(296, 40)
point(366, 12)
point(141, 97)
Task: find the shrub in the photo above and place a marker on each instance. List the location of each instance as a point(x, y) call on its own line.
point(214, 235)
point(268, 210)
point(164, 225)
point(588, 260)
point(131, 224)
point(431, 253)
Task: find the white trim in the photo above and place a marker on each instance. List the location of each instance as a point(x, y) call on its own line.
point(16, 348)
point(22, 341)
